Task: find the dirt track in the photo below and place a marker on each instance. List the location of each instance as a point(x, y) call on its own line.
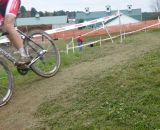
point(18, 113)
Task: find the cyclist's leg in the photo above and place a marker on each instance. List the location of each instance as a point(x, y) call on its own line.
point(13, 34)
point(9, 21)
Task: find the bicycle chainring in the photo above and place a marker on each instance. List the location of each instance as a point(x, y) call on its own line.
point(22, 70)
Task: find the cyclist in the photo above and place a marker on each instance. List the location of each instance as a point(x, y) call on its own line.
point(8, 12)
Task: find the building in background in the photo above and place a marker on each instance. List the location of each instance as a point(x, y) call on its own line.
point(44, 23)
point(150, 16)
point(87, 15)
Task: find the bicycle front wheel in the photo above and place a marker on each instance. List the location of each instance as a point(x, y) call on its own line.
point(6, 83)
point(48, 64)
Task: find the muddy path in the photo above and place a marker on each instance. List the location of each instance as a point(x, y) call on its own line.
point(18, 113)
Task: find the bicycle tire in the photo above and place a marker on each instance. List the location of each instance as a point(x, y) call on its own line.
point(6, 83)
point(49, 64)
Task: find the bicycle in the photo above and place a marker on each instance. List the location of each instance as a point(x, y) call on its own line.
point(45, 60)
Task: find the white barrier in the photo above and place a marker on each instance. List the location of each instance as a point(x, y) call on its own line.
point(122, 34)
point(75, 26)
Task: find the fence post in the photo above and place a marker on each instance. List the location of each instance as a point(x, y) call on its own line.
point(100, 42)
point(120, 24)
point(105, 27)
point(67, 49)
point(158, 22)
point(124, 35)
point(73, 44)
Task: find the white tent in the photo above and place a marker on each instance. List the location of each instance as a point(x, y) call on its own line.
point(124, 19)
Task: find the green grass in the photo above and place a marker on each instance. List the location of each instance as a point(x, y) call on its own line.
point(125, 97)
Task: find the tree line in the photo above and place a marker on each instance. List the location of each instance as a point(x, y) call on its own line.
point(33, 12)
point(155, 6)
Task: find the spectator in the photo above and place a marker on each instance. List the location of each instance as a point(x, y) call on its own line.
point(80, 41)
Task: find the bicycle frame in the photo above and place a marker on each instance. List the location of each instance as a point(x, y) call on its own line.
point(24, 37)
point(8, 56)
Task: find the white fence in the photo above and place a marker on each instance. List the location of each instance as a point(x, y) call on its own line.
point(122, 36)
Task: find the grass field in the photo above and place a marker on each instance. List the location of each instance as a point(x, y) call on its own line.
point(112, 87)
point(125, 97)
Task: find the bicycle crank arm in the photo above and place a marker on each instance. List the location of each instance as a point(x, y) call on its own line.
point(41, 53)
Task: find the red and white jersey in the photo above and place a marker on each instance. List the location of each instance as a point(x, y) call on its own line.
point(8, 7)
point(12, 7)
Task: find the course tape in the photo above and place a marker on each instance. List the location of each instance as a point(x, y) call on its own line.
point(75, 26)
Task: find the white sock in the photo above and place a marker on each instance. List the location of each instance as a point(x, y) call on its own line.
point(23, 52)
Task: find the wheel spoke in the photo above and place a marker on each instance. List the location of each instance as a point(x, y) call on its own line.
point(49, 63)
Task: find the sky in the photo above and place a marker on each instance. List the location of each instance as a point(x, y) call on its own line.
point(79, 5)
